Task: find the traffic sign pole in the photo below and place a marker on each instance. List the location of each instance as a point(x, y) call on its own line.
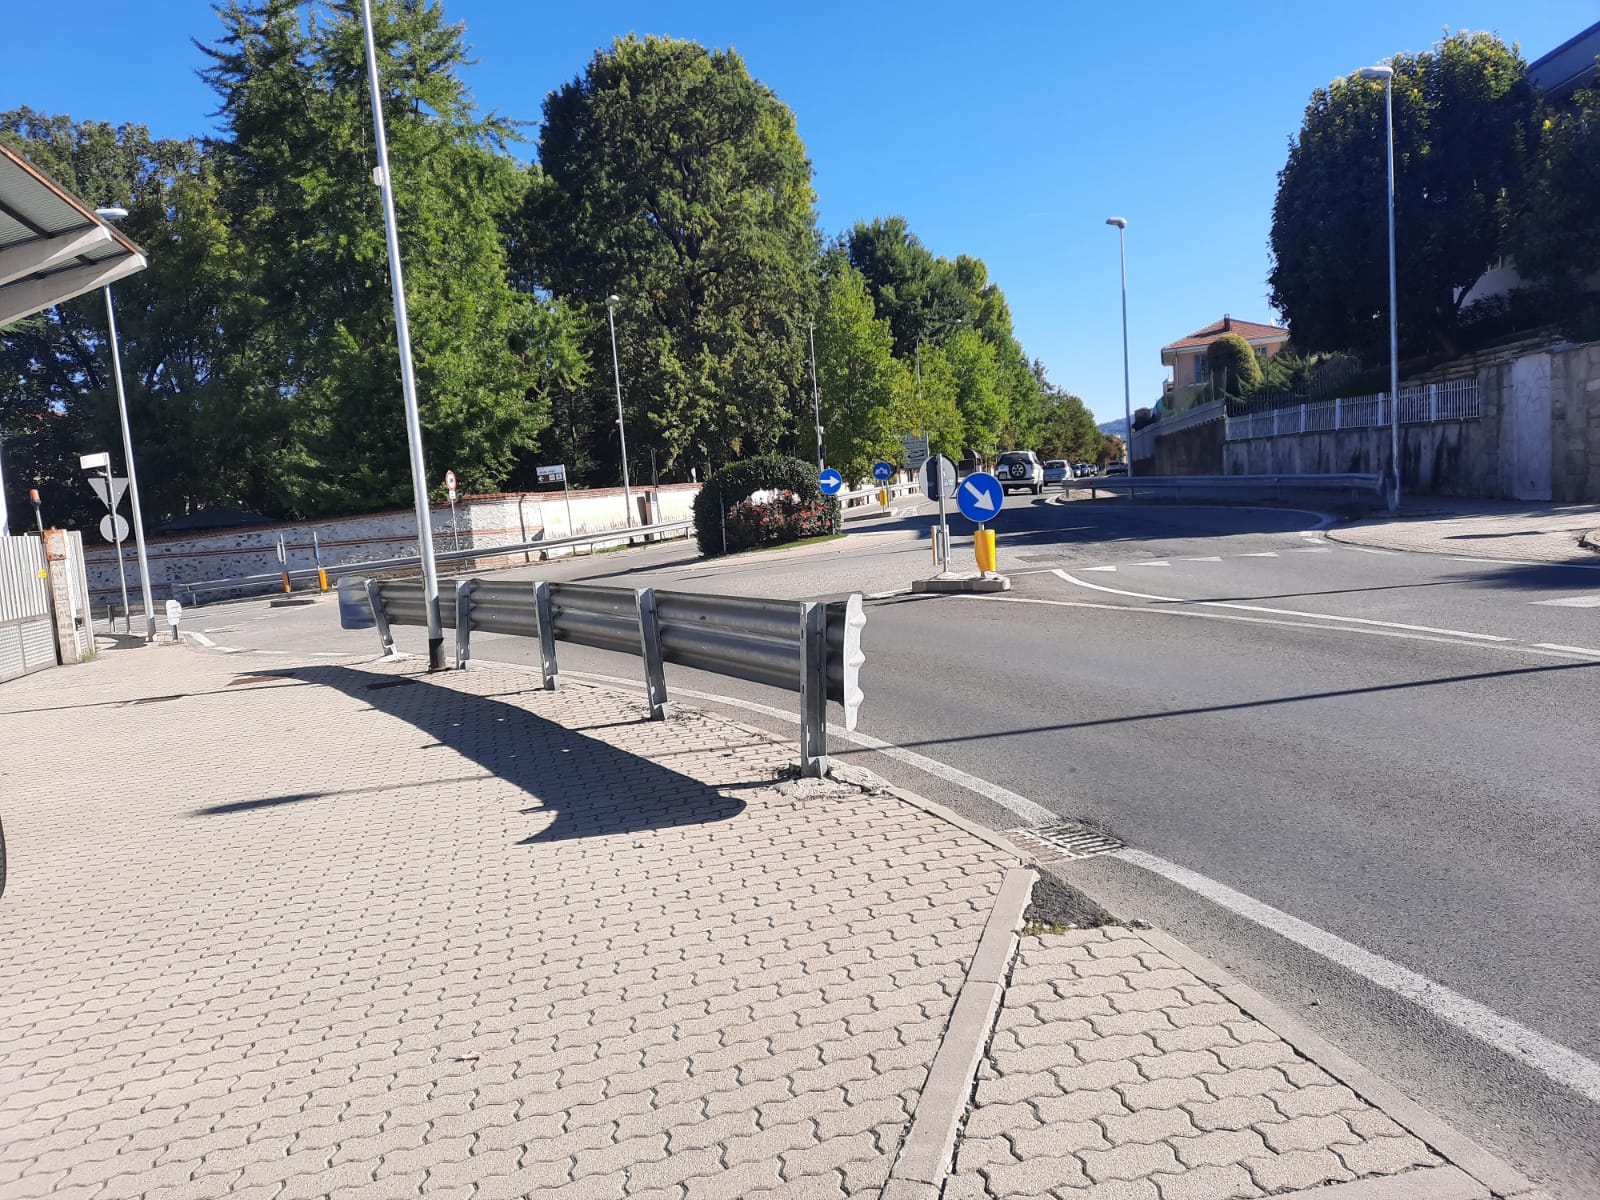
point(122, 571)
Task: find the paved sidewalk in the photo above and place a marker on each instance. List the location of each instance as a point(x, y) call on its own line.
point(1525, 531)
point(346, 930)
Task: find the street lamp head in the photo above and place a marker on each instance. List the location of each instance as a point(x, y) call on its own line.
point(1119, 222)
point(111, 212)
point(613, 300)
point(1376, 72)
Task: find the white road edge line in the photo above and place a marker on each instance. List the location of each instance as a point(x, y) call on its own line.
point(1034, 814)
point(1283, 612)
point(1568, 649)
point(1549, 1058)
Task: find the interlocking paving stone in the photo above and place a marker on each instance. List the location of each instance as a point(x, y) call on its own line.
point(325, 940)
point(1160, 1089)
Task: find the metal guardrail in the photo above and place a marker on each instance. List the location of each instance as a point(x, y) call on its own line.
point(658, 532)
point(804, 646)
point(1200, 487)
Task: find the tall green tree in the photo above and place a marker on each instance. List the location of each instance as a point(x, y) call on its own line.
point(1463, 115)
point(315, 333)
point(933, 408)
point(979, 399)
point(670, 177)
point(922, 297)
point(1555, 237)
point(866, 392)
point(196, 446)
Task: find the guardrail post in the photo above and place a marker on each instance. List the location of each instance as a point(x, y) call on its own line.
point(655, 676)
point(380, 619)
point(463, 623)
point(814, 690)
point(544, 615)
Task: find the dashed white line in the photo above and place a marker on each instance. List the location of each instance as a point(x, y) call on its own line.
point(1160, 562)
point(1551, 1059)
point(1590, 601)
point(1260, 554)
point(1208, 558)
point(1568, 649)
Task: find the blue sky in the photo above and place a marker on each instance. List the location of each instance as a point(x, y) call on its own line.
point(1007, 130)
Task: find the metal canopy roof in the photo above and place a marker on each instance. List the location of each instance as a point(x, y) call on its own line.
point(52, 246)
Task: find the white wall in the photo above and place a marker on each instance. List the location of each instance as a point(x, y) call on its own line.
point(346, 542)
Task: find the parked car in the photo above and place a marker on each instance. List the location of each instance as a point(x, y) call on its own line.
point(1020, 469)
point(1116, 468)
point(1057, 470)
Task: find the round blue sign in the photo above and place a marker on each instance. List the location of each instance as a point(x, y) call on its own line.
point(979, 497)
point(882, 472)
point(832, 482)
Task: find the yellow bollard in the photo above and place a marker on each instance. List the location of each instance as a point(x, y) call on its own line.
point(983, 549)
point(883, 497)
point(322, 578)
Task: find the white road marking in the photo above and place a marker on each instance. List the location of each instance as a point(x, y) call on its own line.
point(1094, 568)
point(1568, 649)
point(1590, 601)
point(202, 639)
point(1160, 562)
point(1367, 549)
point(1210, 558)
point(1549, 1058)
point(1284, 612)
point(1260, 554)
point(1310, 550)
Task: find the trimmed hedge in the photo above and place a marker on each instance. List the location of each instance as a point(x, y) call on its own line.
point(729, 488)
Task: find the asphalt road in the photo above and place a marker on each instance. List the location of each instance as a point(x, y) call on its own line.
point(1397, 749)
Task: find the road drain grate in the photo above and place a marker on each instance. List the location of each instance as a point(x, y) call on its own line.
point(1072, 840)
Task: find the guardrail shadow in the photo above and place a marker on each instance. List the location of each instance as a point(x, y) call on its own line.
point(580, 786)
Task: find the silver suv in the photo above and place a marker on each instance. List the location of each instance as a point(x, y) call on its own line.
point(1020, 469)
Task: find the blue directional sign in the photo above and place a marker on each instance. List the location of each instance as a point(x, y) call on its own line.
point(979, 497)
point(882, 472)
point(831, 481)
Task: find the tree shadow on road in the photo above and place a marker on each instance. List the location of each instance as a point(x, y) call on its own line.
point(581, 786)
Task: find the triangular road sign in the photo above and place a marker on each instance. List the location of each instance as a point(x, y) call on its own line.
point(118, 487)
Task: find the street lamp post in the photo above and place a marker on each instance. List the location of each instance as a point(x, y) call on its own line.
point(1127, 389)
point(110, 213)
point(622, 432)
point(1387, 75)
point(816, 395)
point(408, 380)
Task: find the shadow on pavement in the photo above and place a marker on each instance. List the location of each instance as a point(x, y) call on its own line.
point(591, 787)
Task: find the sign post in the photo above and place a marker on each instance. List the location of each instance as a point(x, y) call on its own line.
point(450, 489)
point(979, 498)
point(832, 483)
point(551, 475)
point(883, 472)
point(110, 492)
point(937, 479)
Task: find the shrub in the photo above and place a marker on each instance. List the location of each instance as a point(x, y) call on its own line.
point(798, 510)
point(1234, 366)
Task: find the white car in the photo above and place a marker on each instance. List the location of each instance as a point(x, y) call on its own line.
point(1057, 470)
point(1020, 469)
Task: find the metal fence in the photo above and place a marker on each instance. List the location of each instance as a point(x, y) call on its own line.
point(1453, 400)
point(27, 629)
point(803, 646)
point(1359, 489)
point(1142, 444)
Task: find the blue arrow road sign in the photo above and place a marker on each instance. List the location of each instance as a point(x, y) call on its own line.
point(832, 482)
point(882, 472)
point(979, 497)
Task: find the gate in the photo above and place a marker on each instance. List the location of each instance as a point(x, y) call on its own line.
point(27, 630)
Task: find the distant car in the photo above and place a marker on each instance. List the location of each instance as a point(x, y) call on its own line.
point(1057, 470)
point(1082, 470)
point(1116, 468)
point(1020, 469)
